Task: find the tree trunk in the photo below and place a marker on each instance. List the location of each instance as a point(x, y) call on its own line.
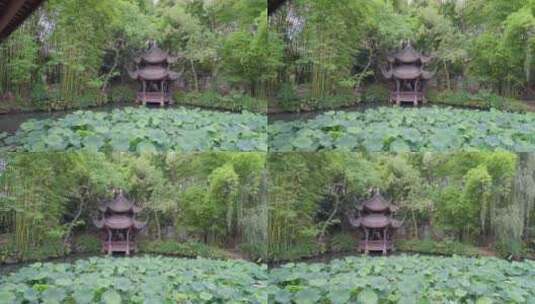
point(195, 77)
point(73, 222)
point(158, 228)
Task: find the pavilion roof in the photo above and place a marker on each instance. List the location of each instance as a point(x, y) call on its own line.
point(408, 55)
point(377, 203)
point(120, 204)
point(155, 55)
point(154, 73)
point(13, 13)
point(406, 71)
point(374, 221)
point(119, 222)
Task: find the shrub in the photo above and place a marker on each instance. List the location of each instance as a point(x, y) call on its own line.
point(437, 247)
point(235, 101)
point(287, 97)
point(255, 252)
point(342, 242)
point(87, 243)
point(510, 249)
point(186, 249)
point(376, 93)
point(122, 93)
point(305, 249)
point(484, 100)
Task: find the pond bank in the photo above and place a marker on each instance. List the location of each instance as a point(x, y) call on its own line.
point(281, 115)
point(327, 257)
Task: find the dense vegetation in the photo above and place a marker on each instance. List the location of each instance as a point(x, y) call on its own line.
point(48, 200)
point(334, 50)
point(404, 279)
point(137, 280)
point(142, 130)
point(480, 198)
point(401, 130)
point(73, 54)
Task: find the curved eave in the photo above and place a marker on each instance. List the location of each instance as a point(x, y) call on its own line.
point(133, 209)
point(408, 75)
point(164, 75)
point(119, 222)
point(13, 13)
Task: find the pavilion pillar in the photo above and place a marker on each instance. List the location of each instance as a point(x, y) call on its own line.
point(109, 241)
point(398, 101)
point(416, 92)
point(143, 93)
point(384, 241)
point(128, 241)
point(366, 233)
point(162, 100)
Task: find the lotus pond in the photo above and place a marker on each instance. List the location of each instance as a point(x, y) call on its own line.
point(141, 129)
point(148, 279)
point(405, 279)
point(406, 129)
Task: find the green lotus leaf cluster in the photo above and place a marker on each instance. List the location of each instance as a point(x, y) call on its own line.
point(405, 279)
point(142, 130)
point(137, 280)
point(407, 129)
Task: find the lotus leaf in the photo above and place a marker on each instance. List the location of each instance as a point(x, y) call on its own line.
point(406, 129)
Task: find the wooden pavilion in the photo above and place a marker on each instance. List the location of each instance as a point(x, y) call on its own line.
point(13, 13)
point(119, 225)
point(154, 76)
point(377, 224)
point(406, 69)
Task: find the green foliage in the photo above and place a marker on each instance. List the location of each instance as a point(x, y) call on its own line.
point(143, 130)
point(82, 59)
point(189, 249)
point(482, 100)
point(122, 93)
point(234, 101)
point(403, 279)
point(87, 243)
point(401, 130)
point(376, 93)
point(153, 279)
point(217, 198)
point(287, 97)
point(342, 242)
point(253, 57)
point(300, 198)
point(466, 197)
point(447, 247)
point(476, 45)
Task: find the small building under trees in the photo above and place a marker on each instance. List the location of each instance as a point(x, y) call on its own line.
point(406, 69)
point(375, 219)
point(118, 225)
point(154, 75)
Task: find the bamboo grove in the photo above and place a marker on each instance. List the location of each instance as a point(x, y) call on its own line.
point(73, 54)
point(211, 198)
point(476, 198)
point(335, 50)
